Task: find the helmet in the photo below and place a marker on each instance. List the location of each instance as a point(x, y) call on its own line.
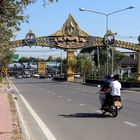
point(110, 76)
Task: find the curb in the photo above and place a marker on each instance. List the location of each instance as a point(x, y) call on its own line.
point(22, 124)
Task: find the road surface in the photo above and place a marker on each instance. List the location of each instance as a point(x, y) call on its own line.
point(70, 111)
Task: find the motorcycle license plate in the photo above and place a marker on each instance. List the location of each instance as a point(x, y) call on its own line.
point(117, 103)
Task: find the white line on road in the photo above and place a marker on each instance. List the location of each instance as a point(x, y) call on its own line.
point(82, 104)
point(48, 134)
point(60, 96)
point(69, 100)
point(131, 124)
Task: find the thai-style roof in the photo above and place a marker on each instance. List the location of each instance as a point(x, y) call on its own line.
point(71, 22)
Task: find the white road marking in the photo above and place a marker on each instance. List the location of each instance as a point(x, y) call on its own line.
point(60, 96)
point(130, 124)
point(69, 100)
point(82, 104)
point(48, 134)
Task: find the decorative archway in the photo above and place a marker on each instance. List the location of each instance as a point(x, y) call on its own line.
point(69, 38)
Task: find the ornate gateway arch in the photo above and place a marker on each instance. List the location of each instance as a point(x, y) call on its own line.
point(69, 38)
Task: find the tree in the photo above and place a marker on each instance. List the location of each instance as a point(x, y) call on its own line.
point(73, 64)
point(11, 16)
point(83, 65)
point(26, 2)
point(86, 67)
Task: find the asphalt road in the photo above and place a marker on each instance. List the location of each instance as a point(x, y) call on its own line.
point(71, 112)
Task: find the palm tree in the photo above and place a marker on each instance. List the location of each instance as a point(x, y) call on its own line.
point(86, 67)
point(72, 64)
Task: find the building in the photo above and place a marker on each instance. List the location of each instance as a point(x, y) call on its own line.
point(128, 65)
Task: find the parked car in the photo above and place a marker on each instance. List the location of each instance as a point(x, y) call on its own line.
point(49, 75)
point(26, 75)
point(36, 75)
point(42, 76)
point(19, 76)
point(77, 75)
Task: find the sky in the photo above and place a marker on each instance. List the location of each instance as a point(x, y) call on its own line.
point(44, 21)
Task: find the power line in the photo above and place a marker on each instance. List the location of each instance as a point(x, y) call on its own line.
point(126, 37)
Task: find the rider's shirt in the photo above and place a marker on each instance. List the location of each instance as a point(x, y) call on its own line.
point(116, 87)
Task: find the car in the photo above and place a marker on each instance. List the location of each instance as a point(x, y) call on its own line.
point(19, 76)
point(36, 75)
point(49, 75)
point(42, 76)
point(26, 75)
point(77, 75)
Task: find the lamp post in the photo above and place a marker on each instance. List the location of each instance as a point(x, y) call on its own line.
point(107, 16)
point(61, 64)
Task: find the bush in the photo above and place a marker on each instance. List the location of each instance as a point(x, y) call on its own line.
point(1, 78)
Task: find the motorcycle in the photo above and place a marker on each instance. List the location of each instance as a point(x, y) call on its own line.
point(113, 107)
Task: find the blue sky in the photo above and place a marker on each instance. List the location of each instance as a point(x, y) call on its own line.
point(45, 21)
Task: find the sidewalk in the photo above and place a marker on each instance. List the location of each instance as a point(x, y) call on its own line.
point(6, 126)
point(9, 128)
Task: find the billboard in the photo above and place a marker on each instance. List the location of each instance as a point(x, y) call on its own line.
point(41, 68)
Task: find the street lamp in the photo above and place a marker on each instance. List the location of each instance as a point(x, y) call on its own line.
point(61, 63)
point(107, 15)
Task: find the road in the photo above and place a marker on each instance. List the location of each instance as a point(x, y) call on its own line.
point(70, 111)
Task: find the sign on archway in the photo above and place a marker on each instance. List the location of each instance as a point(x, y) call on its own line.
point(70, 37)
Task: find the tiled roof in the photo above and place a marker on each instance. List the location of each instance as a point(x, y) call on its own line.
point(127, 60)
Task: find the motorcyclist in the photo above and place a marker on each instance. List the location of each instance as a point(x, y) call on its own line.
point(105, 89)
point(113, 92)
point(115, 87)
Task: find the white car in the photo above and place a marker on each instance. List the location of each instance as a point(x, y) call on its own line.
point(77, 75)
point(36, 75)
point(19, 76)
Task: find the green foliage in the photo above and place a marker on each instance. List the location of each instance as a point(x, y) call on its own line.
point(1, 78)
point(5, 57)
point(103, 59)
point(11, 15)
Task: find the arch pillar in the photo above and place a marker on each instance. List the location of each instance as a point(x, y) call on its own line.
point(138, 73)
point(70, 69)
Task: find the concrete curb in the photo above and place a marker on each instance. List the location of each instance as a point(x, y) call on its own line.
point(21, 119)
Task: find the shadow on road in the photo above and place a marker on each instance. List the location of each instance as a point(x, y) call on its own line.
point(85, 115)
